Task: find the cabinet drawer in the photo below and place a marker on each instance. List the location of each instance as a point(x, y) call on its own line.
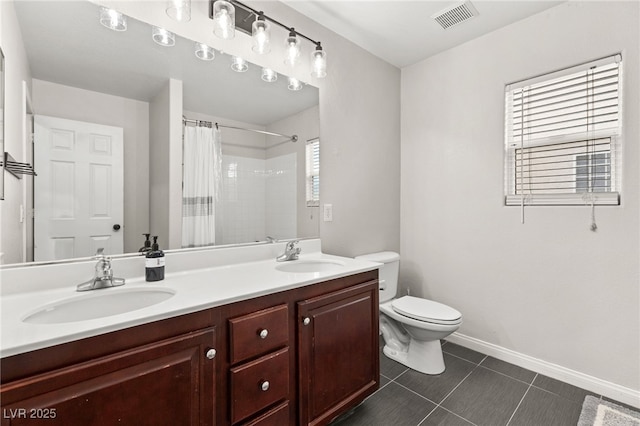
point(277, 416)
point(258, 384)
point(258, 333)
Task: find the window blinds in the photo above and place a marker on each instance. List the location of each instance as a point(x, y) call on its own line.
point(562, 136)
point(313, 172)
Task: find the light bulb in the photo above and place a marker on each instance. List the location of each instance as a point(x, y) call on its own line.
point(319, 62)
point(204, 52)
point(180, 10)
point(294, 84)
point(260, 32)
point(238, 64)
point(224, 19)
point(163, 37)
point(113, 19)
point(292, 49)
point(269, 75)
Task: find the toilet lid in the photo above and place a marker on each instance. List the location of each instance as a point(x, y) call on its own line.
point(426, 310)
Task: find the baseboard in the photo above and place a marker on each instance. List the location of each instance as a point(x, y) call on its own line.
point(590, 383)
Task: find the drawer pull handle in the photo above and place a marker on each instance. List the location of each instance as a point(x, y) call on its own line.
point(264, 386)
point(211, 353)
point(264, 333)
point(306, 321)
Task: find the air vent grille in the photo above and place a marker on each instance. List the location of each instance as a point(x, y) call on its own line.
point(455, 15)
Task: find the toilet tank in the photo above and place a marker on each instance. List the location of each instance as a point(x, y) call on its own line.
point(388, 272)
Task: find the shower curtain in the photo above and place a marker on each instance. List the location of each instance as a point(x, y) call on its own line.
point(201, 182)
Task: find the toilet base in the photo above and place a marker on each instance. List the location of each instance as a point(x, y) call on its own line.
point(425, 357)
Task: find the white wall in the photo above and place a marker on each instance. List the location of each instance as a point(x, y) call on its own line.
point(16, 71)
point(132, 116)
point(359, 121)
point(550, 289)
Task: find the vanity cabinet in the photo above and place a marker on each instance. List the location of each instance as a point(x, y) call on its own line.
point(297, 357)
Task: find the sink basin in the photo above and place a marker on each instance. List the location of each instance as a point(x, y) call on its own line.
point(98, 304)
point(309, 266)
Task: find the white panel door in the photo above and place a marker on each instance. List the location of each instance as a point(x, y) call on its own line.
point(79, 188)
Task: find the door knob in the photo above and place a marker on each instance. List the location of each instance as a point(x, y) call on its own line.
point(116, 227)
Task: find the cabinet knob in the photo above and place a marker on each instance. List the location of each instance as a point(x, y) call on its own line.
point(211, 353)
point(264, 386)
point(306, 321)
point(264, 333)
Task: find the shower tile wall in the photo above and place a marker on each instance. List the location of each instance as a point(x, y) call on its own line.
point(258, 198)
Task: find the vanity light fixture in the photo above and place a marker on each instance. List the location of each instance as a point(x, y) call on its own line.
point(261, 33)
point(204, 52)
point(269, 75)
point(223, 14)
point(224, 19)
point(163, 37)
point(319, 62)
point(180, 10)
point(238, 64)
point(113, 19)
point(294, 84)
point(292, 46)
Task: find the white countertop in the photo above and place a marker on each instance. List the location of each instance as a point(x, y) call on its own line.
point(195, 290)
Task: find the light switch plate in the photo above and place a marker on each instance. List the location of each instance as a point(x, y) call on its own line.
point(327, 212)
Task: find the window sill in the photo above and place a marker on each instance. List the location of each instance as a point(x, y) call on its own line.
point(600, 199)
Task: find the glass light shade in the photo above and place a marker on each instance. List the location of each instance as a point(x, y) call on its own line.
point(224, 19)
point(204, 52)
point(180, 10)
point(113, 19)
point(261, 33)
point(292, 52)
point(238, 64)
point(294, 84)
point(269, 75)
point(319, 63)
point(163, 37)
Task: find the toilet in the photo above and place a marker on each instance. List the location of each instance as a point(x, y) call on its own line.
point(411, 326)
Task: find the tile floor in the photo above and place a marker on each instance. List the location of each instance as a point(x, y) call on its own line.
point(475, 389)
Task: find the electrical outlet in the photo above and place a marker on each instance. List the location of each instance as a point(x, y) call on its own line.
point(327, 212)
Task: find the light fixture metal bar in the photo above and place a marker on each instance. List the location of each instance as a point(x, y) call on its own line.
point(268, 18)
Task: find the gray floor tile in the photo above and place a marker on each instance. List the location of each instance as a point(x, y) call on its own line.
point(462, 352)
point(486, 397)
point(383, 381)
point(390, 368)
point(392, 405)
point(442, 417)
point(566, 390)
point(436, 387)
point(540, 407)
point(510, 370)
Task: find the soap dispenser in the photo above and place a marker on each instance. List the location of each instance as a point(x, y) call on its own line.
point(154, 262)
point(147, 244)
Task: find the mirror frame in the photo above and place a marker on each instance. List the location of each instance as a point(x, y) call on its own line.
point(2, 121)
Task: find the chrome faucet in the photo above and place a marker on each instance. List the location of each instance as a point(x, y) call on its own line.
point(291, 252)
point(104, 275)
point(271, 240)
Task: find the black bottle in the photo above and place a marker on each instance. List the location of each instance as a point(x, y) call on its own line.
point(147, 244)
point(154, 263)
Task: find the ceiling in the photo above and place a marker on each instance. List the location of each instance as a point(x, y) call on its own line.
point(403, 32)
point(66, 44)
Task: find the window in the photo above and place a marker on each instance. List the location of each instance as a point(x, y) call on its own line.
point(563, 134)
point(313, 172)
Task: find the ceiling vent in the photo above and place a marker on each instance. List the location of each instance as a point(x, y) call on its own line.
point(455, 15)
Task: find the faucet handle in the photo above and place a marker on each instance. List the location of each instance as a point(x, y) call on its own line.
point(99, 253)
point(291, 244)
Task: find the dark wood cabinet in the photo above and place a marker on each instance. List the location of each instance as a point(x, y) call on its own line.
point(269, 368)
point(337, 351)
point(167, 382)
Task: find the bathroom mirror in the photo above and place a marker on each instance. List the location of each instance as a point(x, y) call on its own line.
point(75, 62)
point(1, 124)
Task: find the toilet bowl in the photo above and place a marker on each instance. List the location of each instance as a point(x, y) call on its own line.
point(411, 326)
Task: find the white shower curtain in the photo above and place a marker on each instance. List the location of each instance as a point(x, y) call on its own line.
point(201, 182)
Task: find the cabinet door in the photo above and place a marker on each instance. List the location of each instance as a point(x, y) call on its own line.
point(168, 382)
point(338, 351)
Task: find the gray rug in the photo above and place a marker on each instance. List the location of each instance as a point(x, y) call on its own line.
point(598, 412)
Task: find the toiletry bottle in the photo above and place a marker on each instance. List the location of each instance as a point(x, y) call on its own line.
point(154, 262)
point(147, 244)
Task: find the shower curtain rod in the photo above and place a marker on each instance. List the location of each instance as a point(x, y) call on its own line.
point(293, 138)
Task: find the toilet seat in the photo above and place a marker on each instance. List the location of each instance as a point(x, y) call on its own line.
point(426, 310)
